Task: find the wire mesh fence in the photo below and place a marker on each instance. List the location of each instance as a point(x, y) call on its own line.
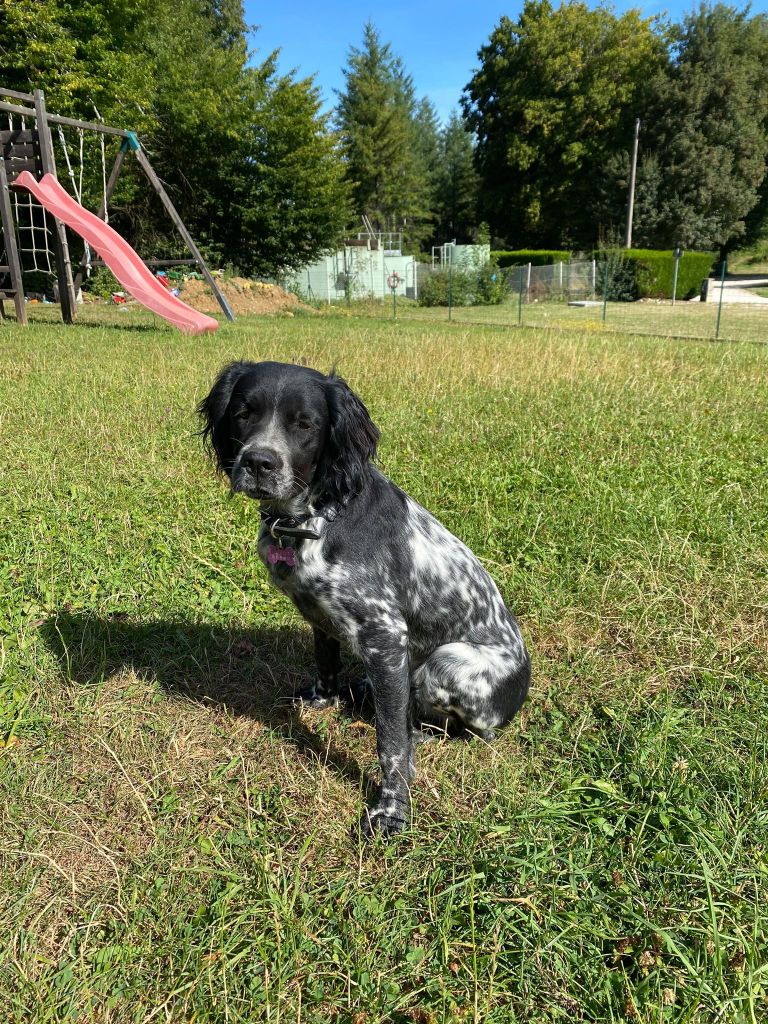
point(581, 295)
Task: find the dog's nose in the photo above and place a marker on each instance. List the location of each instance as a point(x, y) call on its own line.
point(262, 460)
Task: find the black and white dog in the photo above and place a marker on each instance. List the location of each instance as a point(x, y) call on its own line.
point(367, 566)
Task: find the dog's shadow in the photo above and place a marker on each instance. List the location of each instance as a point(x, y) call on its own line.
point(249, 673)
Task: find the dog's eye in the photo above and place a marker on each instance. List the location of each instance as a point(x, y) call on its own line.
point(242, 414)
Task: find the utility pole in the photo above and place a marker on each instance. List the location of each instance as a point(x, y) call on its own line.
point(631, 197)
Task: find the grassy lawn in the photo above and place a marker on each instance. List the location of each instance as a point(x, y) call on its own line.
point(753, 260)
point(175, 843)
point(738, 322)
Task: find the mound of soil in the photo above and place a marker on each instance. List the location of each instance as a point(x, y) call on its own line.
point(243, 296)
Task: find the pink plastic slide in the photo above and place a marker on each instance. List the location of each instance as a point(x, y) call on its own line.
point(122, 260)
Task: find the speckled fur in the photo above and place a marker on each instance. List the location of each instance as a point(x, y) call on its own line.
point(440, 649)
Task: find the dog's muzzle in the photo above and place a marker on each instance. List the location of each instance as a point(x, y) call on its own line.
point(259, 473)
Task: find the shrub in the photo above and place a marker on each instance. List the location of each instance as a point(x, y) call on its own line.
point(102, 283)
point(485, 286)
point(433, 291)
point(619, 273)
point(492, 286)
point(650, 273)
point(537, 257)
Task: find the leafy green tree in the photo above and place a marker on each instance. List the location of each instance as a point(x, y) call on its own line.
point(378, 120)
point(554, 97)
point(290, 200)
point(86, 55)
point(456, 184)
point(707, 131)
point(247, 156)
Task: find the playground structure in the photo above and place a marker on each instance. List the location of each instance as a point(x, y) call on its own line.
point(27, 161)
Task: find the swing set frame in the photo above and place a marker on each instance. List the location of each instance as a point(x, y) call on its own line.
point(31, 149)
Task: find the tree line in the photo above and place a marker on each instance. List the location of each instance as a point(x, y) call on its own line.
point(537, 156)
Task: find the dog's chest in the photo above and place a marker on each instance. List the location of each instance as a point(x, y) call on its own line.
point(319, 589)
point(298, 570)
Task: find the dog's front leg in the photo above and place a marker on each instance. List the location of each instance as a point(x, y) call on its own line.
point(385, 657)
point(325, 689)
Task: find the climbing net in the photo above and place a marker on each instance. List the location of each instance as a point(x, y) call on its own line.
point(33, 228)
point(34, 225)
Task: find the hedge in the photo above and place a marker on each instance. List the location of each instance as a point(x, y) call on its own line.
point(650, 273)
point(537, 257)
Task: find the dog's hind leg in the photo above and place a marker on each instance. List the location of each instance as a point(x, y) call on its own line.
point(481, 685)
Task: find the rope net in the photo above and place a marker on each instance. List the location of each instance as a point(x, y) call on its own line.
point(33, 225)
point(82, 170)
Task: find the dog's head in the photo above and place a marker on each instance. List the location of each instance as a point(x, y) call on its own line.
point(283, 432)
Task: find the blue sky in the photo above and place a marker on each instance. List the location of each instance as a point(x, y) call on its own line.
point(438, 41)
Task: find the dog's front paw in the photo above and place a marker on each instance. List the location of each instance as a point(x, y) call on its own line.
point(314, 697)
point(386, 819)
point(377, 823)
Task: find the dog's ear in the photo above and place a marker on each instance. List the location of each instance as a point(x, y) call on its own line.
point(352, 440)
point(213, 412)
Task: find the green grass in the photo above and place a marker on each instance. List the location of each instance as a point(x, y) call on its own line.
point(174, 844)
point(752, 260)
point(738, 322)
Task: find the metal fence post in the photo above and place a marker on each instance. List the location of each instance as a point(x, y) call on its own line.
point(677, 254)
point(450, 288)
point(606, 277)
point(723, 269)
point(520, 298)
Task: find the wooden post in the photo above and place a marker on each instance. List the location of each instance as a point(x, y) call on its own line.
point(11, 249)
point(102, 210)
point(146, 166)
point(60, 247)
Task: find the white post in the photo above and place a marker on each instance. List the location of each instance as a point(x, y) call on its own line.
point(528, 285)
point(594, 278)
point(631, 197)
point(561, 275)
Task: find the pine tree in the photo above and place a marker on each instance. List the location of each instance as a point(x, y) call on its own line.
point(456, 185)
point(427, 138)
point(376, 116)
point(290, 201)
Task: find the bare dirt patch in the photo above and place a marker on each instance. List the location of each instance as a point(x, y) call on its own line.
point(244, 296)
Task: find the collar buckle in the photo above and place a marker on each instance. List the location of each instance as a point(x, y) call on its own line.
point(282, 527)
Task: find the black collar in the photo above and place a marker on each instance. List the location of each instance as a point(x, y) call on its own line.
point(288, 526)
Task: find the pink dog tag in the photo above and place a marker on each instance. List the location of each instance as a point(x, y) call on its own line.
point(275, 555)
